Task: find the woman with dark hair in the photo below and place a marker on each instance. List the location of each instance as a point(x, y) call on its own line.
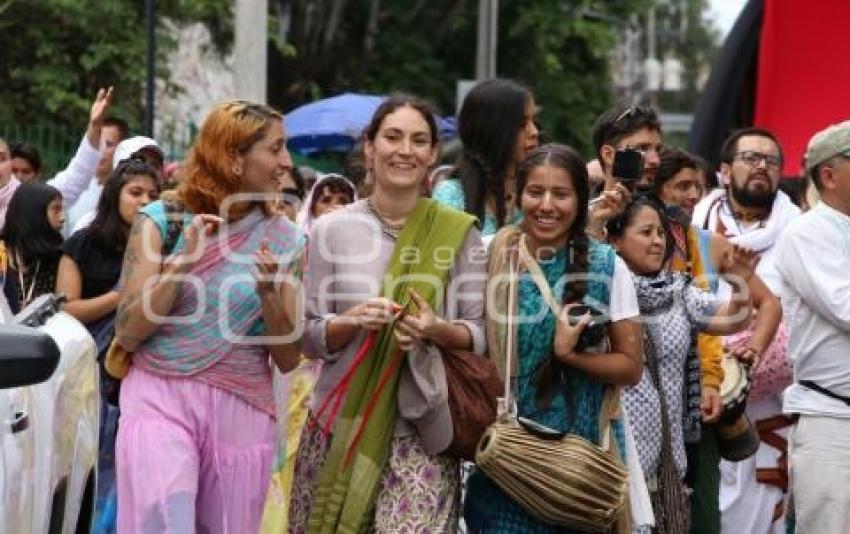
point(369, 456)
point(566, 376)
point(32, 243)
point(497, 128)
point(663, 407)
point(88, 275)
point(91, 262)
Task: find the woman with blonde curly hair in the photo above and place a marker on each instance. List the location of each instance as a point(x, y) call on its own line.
point(208, 305)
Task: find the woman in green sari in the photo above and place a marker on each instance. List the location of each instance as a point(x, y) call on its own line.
point(379, 272)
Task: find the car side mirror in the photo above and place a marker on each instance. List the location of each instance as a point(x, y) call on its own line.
point(27, 356)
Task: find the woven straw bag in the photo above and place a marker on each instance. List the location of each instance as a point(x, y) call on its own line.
point(561, 480)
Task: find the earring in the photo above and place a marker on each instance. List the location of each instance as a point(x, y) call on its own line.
point(237, 170)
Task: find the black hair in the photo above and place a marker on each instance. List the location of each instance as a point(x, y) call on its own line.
point(27, 231)
point(336, 184)
point(730, 145)
point(120, 124)
point(621, 121)
point(400, 100)
point(671, 162)
point(108, 229)
point(707, 170)
point(616, 227)
point(28, 152)
point(490, 119)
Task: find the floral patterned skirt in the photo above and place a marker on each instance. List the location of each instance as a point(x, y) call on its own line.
point(419, 492)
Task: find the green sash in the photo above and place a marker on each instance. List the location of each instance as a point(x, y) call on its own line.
point(345, 498)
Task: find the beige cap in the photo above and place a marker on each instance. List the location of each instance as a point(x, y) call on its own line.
point(829, 142)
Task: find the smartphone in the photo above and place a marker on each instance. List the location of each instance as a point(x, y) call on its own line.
point(628, 165)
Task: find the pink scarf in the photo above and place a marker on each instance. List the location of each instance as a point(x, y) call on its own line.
point(6, 193)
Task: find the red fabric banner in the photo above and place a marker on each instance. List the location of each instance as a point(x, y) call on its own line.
point(803, 80)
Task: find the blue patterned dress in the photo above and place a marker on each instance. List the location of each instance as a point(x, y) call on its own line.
point(487, 508)
point(450, 193)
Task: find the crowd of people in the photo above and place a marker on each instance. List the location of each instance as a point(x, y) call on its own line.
point(274, 353)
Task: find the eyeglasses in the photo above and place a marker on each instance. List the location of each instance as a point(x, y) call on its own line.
point(753, 159)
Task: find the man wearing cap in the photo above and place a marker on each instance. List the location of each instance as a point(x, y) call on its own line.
point(140, 147)
point(814, 265)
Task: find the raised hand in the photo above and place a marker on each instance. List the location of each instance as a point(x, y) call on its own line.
point(739, 262)
point(195, 238)
point(608, 205)
point(267, 267)
point(100, 106)
point(96, 115)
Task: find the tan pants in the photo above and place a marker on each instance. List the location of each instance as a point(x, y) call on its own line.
point(820, 474)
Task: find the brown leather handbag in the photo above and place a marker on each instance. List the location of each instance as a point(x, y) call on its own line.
point(473, 386)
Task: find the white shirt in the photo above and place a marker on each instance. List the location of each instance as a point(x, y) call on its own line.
point(813, 259)
point(624, 301)
point(80, 214)
point(74, 179)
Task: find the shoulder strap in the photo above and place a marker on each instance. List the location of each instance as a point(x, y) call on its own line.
point(174, 226)
point(537, 275)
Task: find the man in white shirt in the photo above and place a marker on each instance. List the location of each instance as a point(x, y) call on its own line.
point(112, 132)
point(814, 265)
point(752, 212)
point(73, 180)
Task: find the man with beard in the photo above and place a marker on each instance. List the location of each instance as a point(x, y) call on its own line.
point(697, 252)
point(752, 212)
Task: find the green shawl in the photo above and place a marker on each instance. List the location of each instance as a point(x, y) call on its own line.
point(345, 498)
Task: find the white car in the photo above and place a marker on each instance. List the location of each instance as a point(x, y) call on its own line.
point(49, 410)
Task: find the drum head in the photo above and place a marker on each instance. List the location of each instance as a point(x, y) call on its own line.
point(734, 377)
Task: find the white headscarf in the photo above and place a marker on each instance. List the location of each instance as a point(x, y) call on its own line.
point(305, 219)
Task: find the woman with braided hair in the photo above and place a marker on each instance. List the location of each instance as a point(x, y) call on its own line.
point(566, 373)
point(497, 129)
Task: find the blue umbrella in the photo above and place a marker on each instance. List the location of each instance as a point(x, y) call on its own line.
point(334, 124)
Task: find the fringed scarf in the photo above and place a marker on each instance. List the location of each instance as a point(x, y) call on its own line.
point(349, 482)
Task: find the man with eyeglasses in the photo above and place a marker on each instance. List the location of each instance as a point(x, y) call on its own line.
point(750, 211)
point(814, 262)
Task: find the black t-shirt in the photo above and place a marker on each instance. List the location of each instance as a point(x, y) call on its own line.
point(100, 269)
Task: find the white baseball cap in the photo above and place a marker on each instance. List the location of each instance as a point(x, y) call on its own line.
point(128, 147)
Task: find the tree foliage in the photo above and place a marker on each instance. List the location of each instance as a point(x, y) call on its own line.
point(58, 52)
point(559, 48)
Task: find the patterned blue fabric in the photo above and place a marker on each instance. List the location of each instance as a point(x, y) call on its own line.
point(487, 508)
point(450, 193)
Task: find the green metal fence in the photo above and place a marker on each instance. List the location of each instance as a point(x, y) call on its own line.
point(56, 144)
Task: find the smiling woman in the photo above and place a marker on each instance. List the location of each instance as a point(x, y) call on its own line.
point(370, 454)
point(564, 380)
point(205, 332)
